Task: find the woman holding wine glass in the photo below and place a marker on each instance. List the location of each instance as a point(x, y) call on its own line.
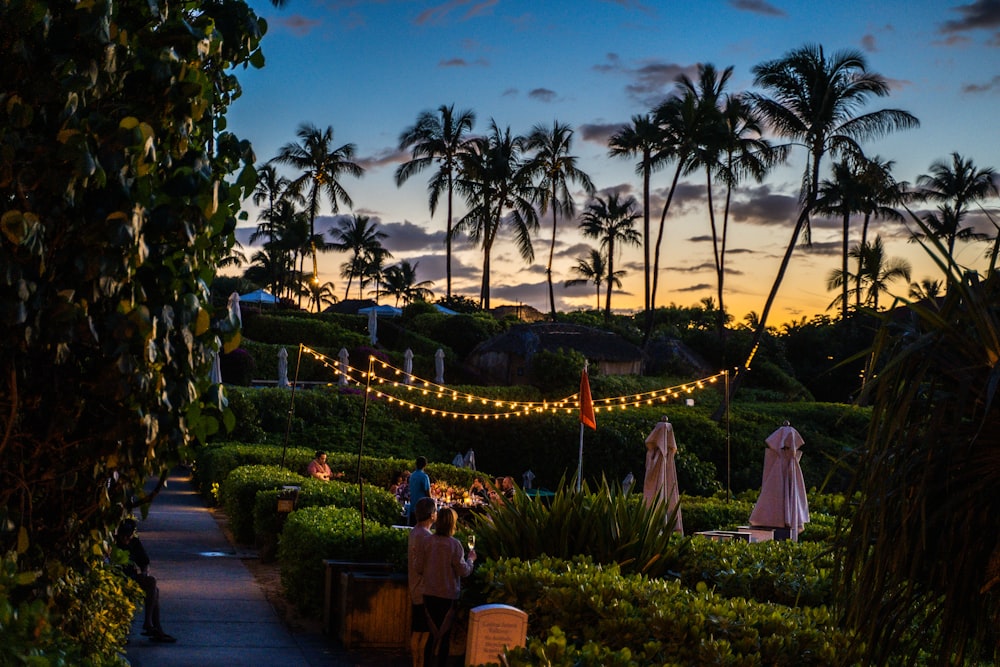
point(441, 564)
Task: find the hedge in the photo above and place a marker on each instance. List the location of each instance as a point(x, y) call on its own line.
point(238, 492)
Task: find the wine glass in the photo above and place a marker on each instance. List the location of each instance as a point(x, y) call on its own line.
point(471, 541)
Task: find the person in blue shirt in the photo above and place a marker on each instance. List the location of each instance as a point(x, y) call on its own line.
point(420, 487)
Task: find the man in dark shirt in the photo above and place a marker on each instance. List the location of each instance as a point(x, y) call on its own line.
point(137, 569)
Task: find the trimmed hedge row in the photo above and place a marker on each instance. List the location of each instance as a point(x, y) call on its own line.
point(238, 493)
point(584, 614)
point(314, 534)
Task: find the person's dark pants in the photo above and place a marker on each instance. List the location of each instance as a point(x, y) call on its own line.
point(152, 604)
point(440, 619)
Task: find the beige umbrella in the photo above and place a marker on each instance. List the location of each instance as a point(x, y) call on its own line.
point(660, 484)
point(782, 502)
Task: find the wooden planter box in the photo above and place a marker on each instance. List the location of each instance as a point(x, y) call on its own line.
point(374, 610)
point(332, 597)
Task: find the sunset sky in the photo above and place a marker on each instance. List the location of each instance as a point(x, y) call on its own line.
point(369, 67)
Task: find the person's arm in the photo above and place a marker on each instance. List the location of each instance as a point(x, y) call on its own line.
point(460, 564)
point(137, 554)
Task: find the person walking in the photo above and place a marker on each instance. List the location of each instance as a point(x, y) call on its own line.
point(426, 514)
point(420, 487)
point(137, 569)
point(441, 564)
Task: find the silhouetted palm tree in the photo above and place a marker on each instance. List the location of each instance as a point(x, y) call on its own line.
point(270, 188)
point(842, 196)
point(875, 273)
point(594, 269)
point(957, 186)
point(321, 295)
point(400, 281)
point(499, 193)
point(815, 102)
point(441, 138)
point(321, 166)
point(361, 237)
point(554, 168)
point(612, 221)
point(643, 138)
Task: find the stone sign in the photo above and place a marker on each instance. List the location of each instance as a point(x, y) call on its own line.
point(493, 627)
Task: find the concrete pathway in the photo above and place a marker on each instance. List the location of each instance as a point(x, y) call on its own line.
point(211, 603)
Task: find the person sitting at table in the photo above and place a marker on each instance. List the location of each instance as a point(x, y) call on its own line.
point(478, 491)
point(507, 487)
point(318, 467)
point(401, 487)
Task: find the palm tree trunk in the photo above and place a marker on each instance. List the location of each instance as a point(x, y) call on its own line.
point(715, 248)
point(864, 240)
point(484, 290)
point(611, 273)
point(843, 267)
point(656, 251)
point(552, 252)
point(447, 238)
point(646, 171)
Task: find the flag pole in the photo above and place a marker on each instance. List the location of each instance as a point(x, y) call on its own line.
point(579, 468)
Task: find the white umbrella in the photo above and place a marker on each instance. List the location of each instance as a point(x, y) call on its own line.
point(782, 502)
point(469, 460)
point(283, 368)
point(234, 308)
point(215, 373)
point(344, 363)
point(439, 366)
point(373, 326)
point(408, 366)
point(660, 483)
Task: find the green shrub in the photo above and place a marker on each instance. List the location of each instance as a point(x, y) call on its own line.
point(214, 462)
point(713, 514)
point(606, 615)
point(380, 506)
point(314, 534)
point(238, 491)
point(238, 367)
point(557, 370)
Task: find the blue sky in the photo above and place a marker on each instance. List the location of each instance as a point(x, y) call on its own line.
point(369, 67)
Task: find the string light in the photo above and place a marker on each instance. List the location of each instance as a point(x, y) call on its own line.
point(568, 404)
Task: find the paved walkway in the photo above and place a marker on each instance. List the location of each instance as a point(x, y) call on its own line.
point(212, 604)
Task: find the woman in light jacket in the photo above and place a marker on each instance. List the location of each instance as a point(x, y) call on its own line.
point(441, 564)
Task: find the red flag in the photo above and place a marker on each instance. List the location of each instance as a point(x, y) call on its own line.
point(586, 402)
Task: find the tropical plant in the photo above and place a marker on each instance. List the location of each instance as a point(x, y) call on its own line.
point(271, 188)
point(641, 137)
point(925, 290)
point(594, 269)
point(815, 103)
point(499, 193)
point(321, 166)
point(360, 236)
point(401, 282)
point(119, 193)
point(612, 221)
point(554, 168)
point(321, 295)
point(920, 560)
point(841, 196)
point(957, 186)
point(444, 139)
point(875, 272)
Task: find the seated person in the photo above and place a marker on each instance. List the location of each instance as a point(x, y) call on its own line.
point(401, 487)
point(507, 487)
point(137, 569)
point(478, 491)
point(318, 467)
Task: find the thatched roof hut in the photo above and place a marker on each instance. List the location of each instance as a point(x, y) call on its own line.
point(506, 359)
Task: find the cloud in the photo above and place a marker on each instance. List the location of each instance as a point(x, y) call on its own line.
point(760, 206)
point(869, 44)
point(993, 85)
point(757, 7)
point(632, 4)
point(468, 9)
point(298, 25)
point(382, 158)
point(462, 62)
point(693, 288)
point(542, 95)
point(599, 133)
point(651, 79)
point(975, 15)
point(407, 237)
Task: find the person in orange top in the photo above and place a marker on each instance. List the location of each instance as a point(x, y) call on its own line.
point(318, 467)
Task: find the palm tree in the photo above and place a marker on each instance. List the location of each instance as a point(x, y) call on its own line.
point(320, 295)
point(361, 237)
point(499, 193)
point(613, 222)
point(321, 166)
point(875, 272)
point(957, 186)
point(594, 269)
point(925, 290)
point(401, 282)
point(554, 167)
point(443, 139)
point(372, 270)
point(842, 196)
point(815, 102)
point(641, 138)
point(880, 193)
point(270, 188)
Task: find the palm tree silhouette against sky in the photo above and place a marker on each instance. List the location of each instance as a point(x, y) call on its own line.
point(612, 221)
point(814, 100)
point(400, 281)
point(594, 269)
point(321, 166)
point(554, 168)
point(441, 138)
point(361, 237)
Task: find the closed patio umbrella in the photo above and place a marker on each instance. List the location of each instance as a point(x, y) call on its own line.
point(782, 502)
point(660, 483)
